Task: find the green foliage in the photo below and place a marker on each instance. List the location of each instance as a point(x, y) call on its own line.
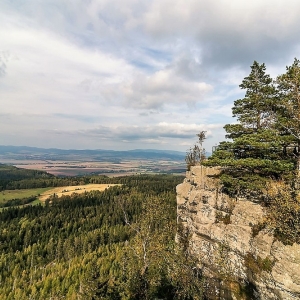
point(288, 108)
point(10, 173)
point(263, 151)
point(283, 214)
point(259, 150)
point(253, 111)
point(185, 275)
point(256, 264)
point(145, 264)
point(154, 266)
point(81, 247)
point(19, 197)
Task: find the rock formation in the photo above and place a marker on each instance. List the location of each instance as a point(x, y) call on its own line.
point(238, 261)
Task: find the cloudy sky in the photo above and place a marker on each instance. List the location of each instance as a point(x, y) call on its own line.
point(128, 74)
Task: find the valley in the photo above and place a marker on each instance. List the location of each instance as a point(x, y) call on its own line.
point(93, 162)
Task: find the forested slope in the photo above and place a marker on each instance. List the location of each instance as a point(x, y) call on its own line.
point(12, 174)
point(89, 246)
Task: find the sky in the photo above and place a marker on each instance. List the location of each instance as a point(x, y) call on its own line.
point(129, 74)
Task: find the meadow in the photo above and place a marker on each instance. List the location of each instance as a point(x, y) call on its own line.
point(69, 190)
point(8, 195)
point(42, 194)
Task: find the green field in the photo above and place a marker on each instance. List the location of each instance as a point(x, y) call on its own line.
point(8, 195)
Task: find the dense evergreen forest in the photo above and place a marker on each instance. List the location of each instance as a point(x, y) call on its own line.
point(116, 244)
point(12, 178)
point(10, 175)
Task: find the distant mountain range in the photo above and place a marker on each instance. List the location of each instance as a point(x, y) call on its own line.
point(24, 152)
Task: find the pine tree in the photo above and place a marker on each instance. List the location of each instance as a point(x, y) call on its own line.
point(255, 153)
point(288, 110)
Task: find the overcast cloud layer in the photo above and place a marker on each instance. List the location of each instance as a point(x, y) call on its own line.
point(111, 74)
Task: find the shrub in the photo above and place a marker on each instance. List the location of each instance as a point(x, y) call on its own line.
point(283, 213)
point(257, 265)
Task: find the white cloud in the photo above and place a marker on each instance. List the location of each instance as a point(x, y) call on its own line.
point(45, 72)
point(69, 131)
point(140, 71)
point(229, 32)
point(162, 88)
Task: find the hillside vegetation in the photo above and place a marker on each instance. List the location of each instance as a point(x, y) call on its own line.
point(12, 174)
point(115, 244)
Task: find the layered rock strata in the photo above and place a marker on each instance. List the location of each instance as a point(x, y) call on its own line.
point(237, 263)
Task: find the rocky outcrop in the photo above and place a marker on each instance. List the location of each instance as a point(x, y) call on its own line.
point(237, 263)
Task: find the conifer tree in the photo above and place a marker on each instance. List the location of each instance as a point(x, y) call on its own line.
point(254, 154)
point(288, 109)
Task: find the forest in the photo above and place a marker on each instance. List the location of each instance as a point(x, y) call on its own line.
point(116, 244)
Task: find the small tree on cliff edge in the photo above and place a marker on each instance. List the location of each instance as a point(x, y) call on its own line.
point(196, 154)
point(255, 153)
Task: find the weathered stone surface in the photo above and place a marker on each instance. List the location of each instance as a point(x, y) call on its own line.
point(223, 246)
point(261, 244)
point(286, 271)
point(182, 191)
point(246, 213)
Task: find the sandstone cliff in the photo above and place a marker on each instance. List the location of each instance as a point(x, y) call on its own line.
point(238, 264)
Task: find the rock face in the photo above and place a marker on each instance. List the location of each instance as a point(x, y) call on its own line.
point(236, 263)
